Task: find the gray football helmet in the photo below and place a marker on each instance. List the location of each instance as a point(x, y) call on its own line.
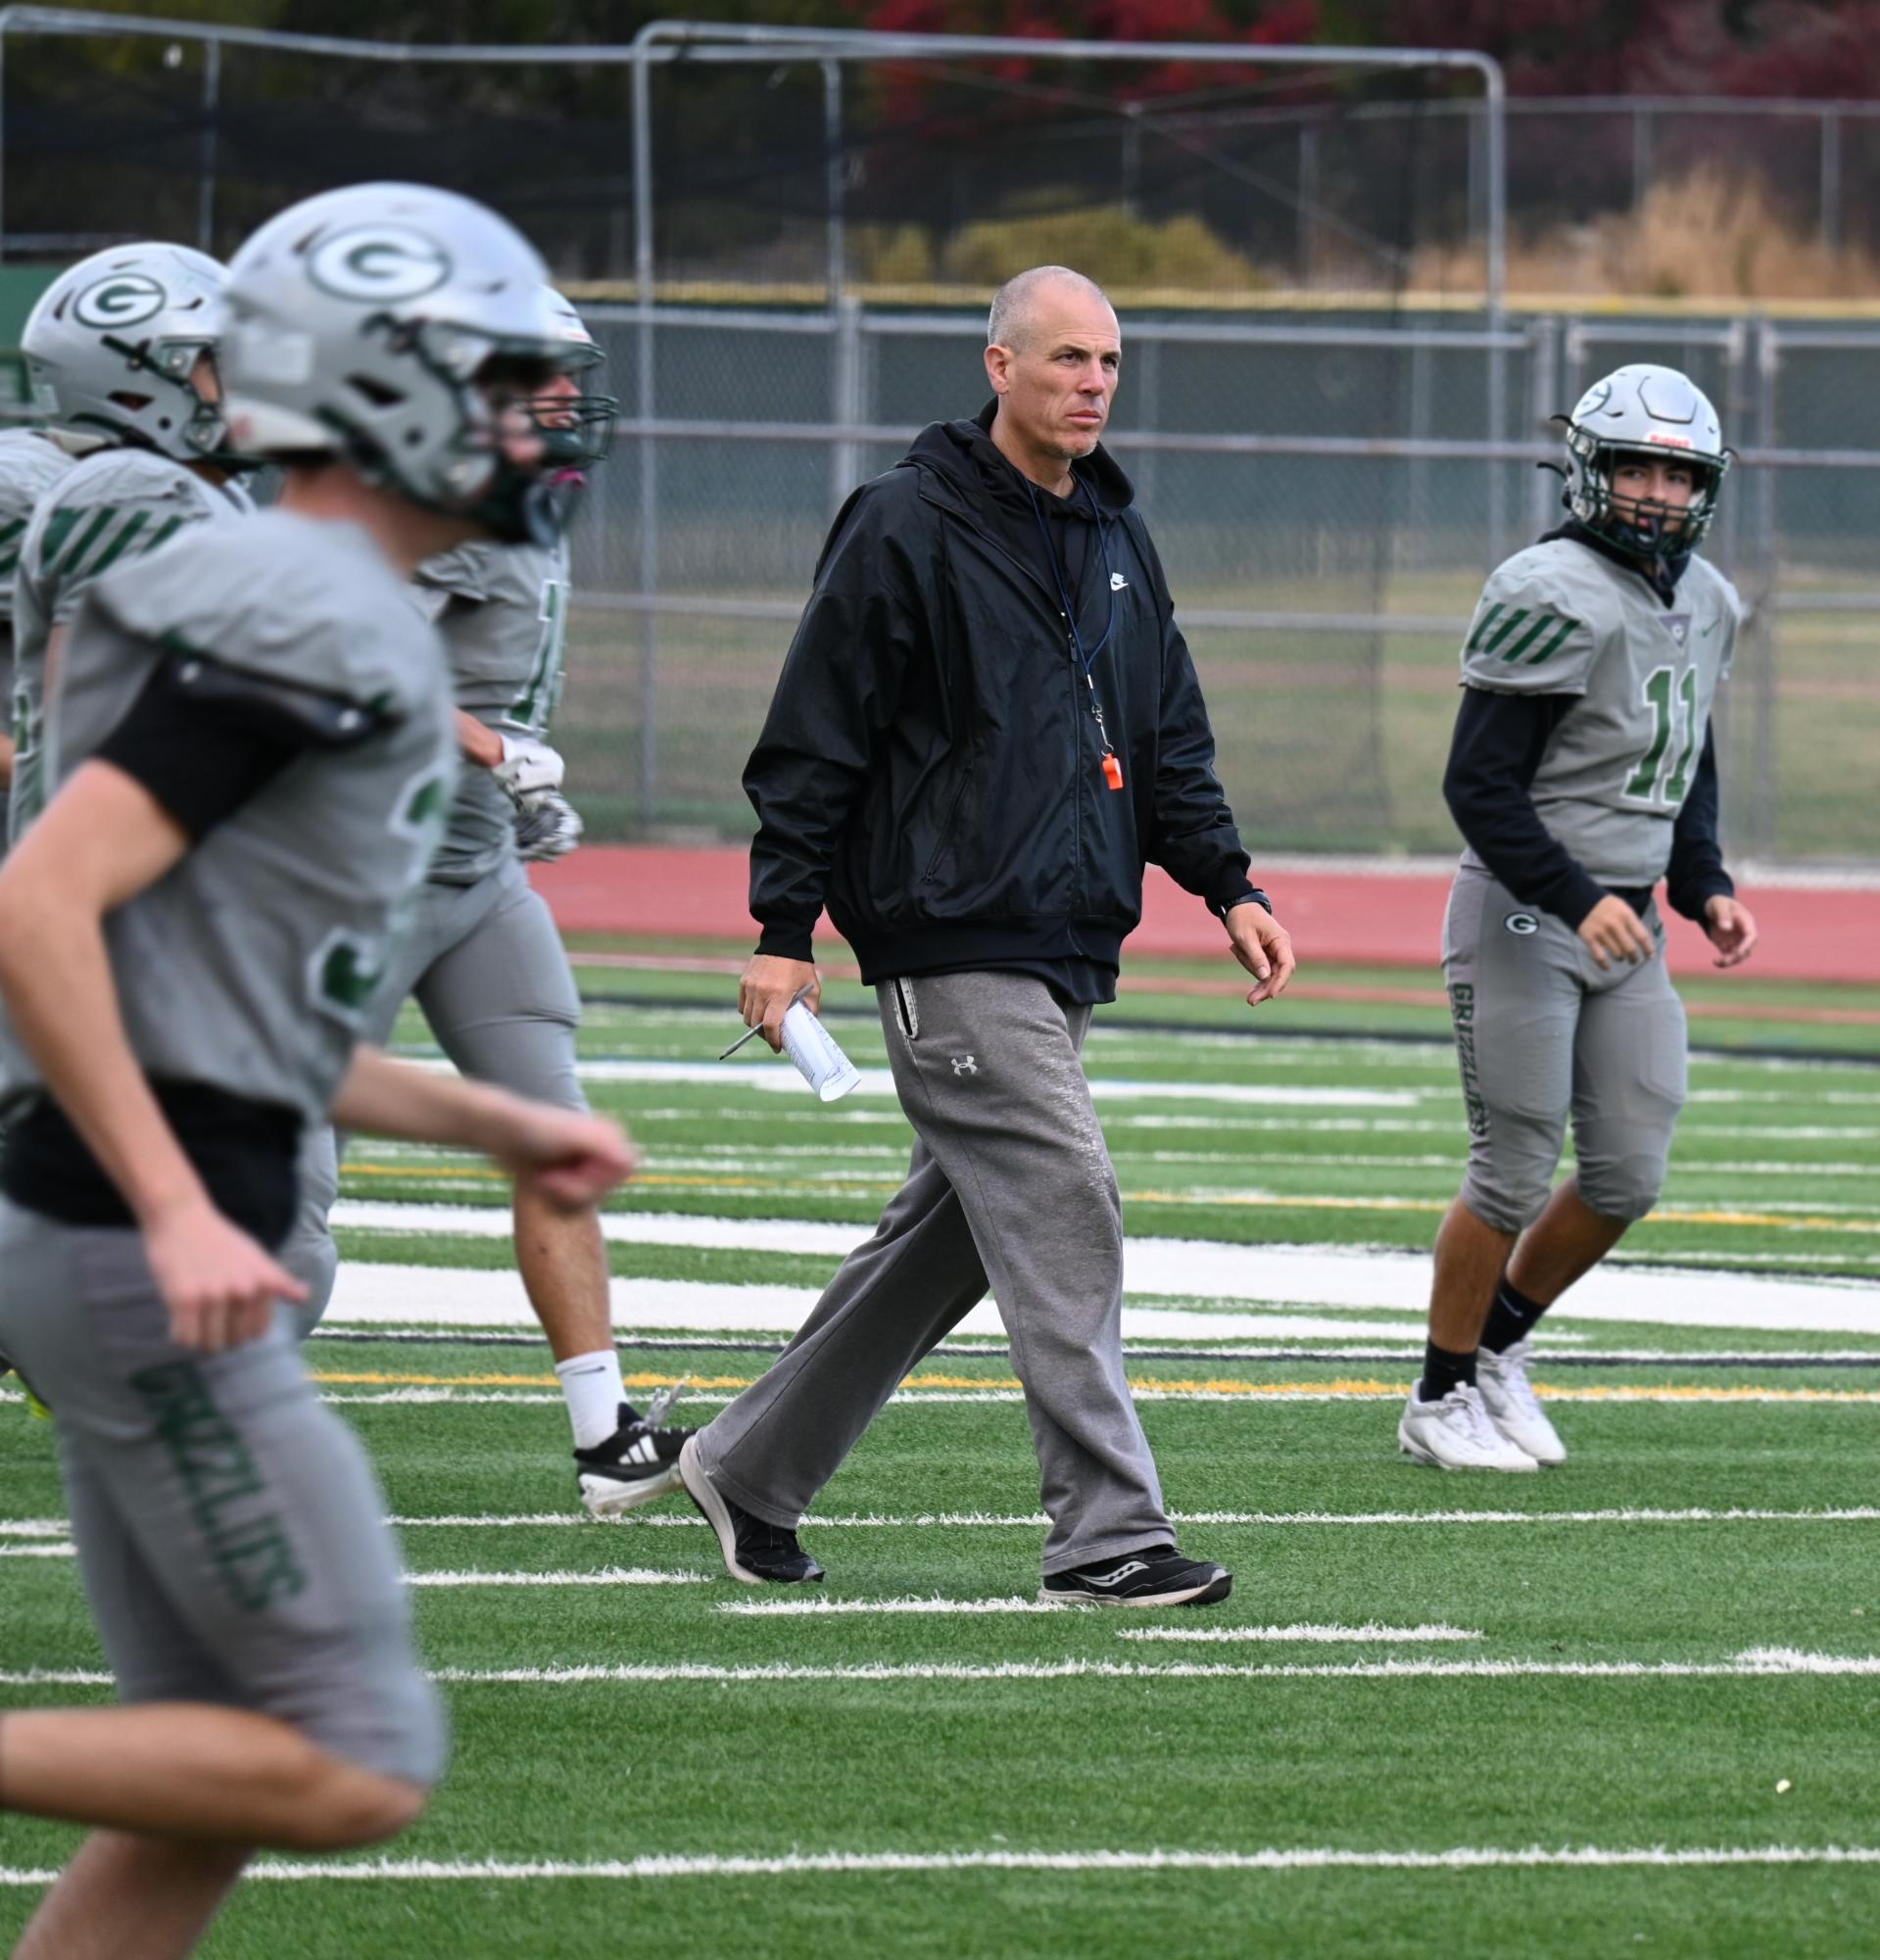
point(1653, 410)
point(112, 344)
point(576, 429)
point(369, 322)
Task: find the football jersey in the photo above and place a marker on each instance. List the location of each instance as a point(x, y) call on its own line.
point(248, 966)
point(30, 465)
point(1562, 619)
point(504, 612)
point(116, 505)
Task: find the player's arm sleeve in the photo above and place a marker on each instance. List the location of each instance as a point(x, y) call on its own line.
point(1696, 874)
point(204, 738)
point(841, 682)
point(1494, 754)
point(1193, 837)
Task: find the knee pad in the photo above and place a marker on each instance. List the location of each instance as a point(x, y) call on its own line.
point(1508, 1204)
point(1622, 1187)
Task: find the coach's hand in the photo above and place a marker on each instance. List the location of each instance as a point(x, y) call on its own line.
point(1263, 946)
point(1615, 932)
point(769, 985)
point(1732, 928)
point(220, 1286)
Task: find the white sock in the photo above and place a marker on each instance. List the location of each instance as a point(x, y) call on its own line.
point(593, 1390)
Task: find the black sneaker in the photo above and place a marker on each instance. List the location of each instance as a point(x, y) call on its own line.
point(637, 1464)
point(1157, 1577)
point(755, 1552)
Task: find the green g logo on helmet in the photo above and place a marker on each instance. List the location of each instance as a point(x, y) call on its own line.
point(123, 300)
point(378, 262)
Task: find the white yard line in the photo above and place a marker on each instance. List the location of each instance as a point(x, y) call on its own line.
point(1755, 1663)
point(570, 1520)
point(1290, 1274)
point(1282, 1393)
point(781, 1076)
point(612, 1575)
point(802, 1864)
point(1372, 1633)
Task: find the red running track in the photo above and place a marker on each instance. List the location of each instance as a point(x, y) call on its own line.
point(1337, 917)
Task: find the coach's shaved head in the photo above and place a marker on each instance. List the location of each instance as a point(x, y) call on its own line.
point(1015, 304)
point(1052, 351)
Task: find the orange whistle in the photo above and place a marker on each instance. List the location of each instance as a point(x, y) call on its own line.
point(1113, 772)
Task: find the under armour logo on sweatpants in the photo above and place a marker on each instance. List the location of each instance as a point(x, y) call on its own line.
point(964, 1064)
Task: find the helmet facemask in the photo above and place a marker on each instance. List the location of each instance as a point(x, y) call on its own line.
point(1647, 530)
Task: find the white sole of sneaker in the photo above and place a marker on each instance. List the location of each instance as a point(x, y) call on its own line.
point(1418, 1453)
point(1215, 1591)
point(698, 1487)
point(604, 1497)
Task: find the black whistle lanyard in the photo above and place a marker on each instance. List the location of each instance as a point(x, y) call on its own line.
point(1111, 766)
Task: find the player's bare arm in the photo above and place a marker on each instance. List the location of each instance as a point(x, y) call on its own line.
point(103, 839)
point(572, 1159)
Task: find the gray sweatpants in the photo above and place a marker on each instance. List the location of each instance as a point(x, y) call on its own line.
point(487, 967)
point(1543, 1033)
point(230, 1533)
point(1011, 1183)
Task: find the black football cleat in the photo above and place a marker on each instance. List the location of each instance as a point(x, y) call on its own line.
point(755, 1552)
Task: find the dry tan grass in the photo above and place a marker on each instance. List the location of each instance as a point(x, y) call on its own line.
point(1708, 236)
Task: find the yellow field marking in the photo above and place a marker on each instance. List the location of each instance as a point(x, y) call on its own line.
point(1270, 1391)
point(1259, 1201)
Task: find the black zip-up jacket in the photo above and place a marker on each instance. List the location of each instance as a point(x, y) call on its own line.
point(931, 768)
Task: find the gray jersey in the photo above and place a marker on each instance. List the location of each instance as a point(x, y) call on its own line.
point(30, 465)
point(1562, 619)
point(250, 966)
point(503, 611)
point(114, 505)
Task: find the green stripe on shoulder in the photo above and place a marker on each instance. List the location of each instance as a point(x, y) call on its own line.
point(1487, 620)
point(1553, 645)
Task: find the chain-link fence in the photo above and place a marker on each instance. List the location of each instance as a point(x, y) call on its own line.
point(1331, 417)
point(1327, 494)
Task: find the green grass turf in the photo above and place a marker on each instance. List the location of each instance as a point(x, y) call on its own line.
point(768, 1767)
point(618, 1770)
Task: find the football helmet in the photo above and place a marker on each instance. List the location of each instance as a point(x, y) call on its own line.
point(396, 325)
point(1644, 410)
point(112, 346)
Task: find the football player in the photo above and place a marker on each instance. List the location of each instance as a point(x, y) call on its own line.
point(1582, 771)
point(482, 956)
point(249, 758)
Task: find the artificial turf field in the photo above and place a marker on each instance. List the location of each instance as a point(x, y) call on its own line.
point(1626, 1707)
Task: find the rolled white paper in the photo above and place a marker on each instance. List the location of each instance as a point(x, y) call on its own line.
point(821, 1064)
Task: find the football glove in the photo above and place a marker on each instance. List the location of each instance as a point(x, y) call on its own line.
point(528, 767)
point(546, 827)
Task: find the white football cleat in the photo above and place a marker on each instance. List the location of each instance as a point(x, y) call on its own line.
point(1455, 1434)
point(1509, 1397)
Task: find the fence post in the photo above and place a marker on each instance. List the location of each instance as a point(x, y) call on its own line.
point(644, 407)
point(845, 406)
point(206, 188)
point(1543, 401)
point(1830, 181)
point(1764, 767)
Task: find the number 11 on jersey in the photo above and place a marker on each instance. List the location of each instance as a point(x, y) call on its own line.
point(1660, 691)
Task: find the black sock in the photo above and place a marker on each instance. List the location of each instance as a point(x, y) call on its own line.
point(1512, 1316)
point(1443, 1371)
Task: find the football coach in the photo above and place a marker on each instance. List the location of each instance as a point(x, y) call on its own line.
point(986, 724)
